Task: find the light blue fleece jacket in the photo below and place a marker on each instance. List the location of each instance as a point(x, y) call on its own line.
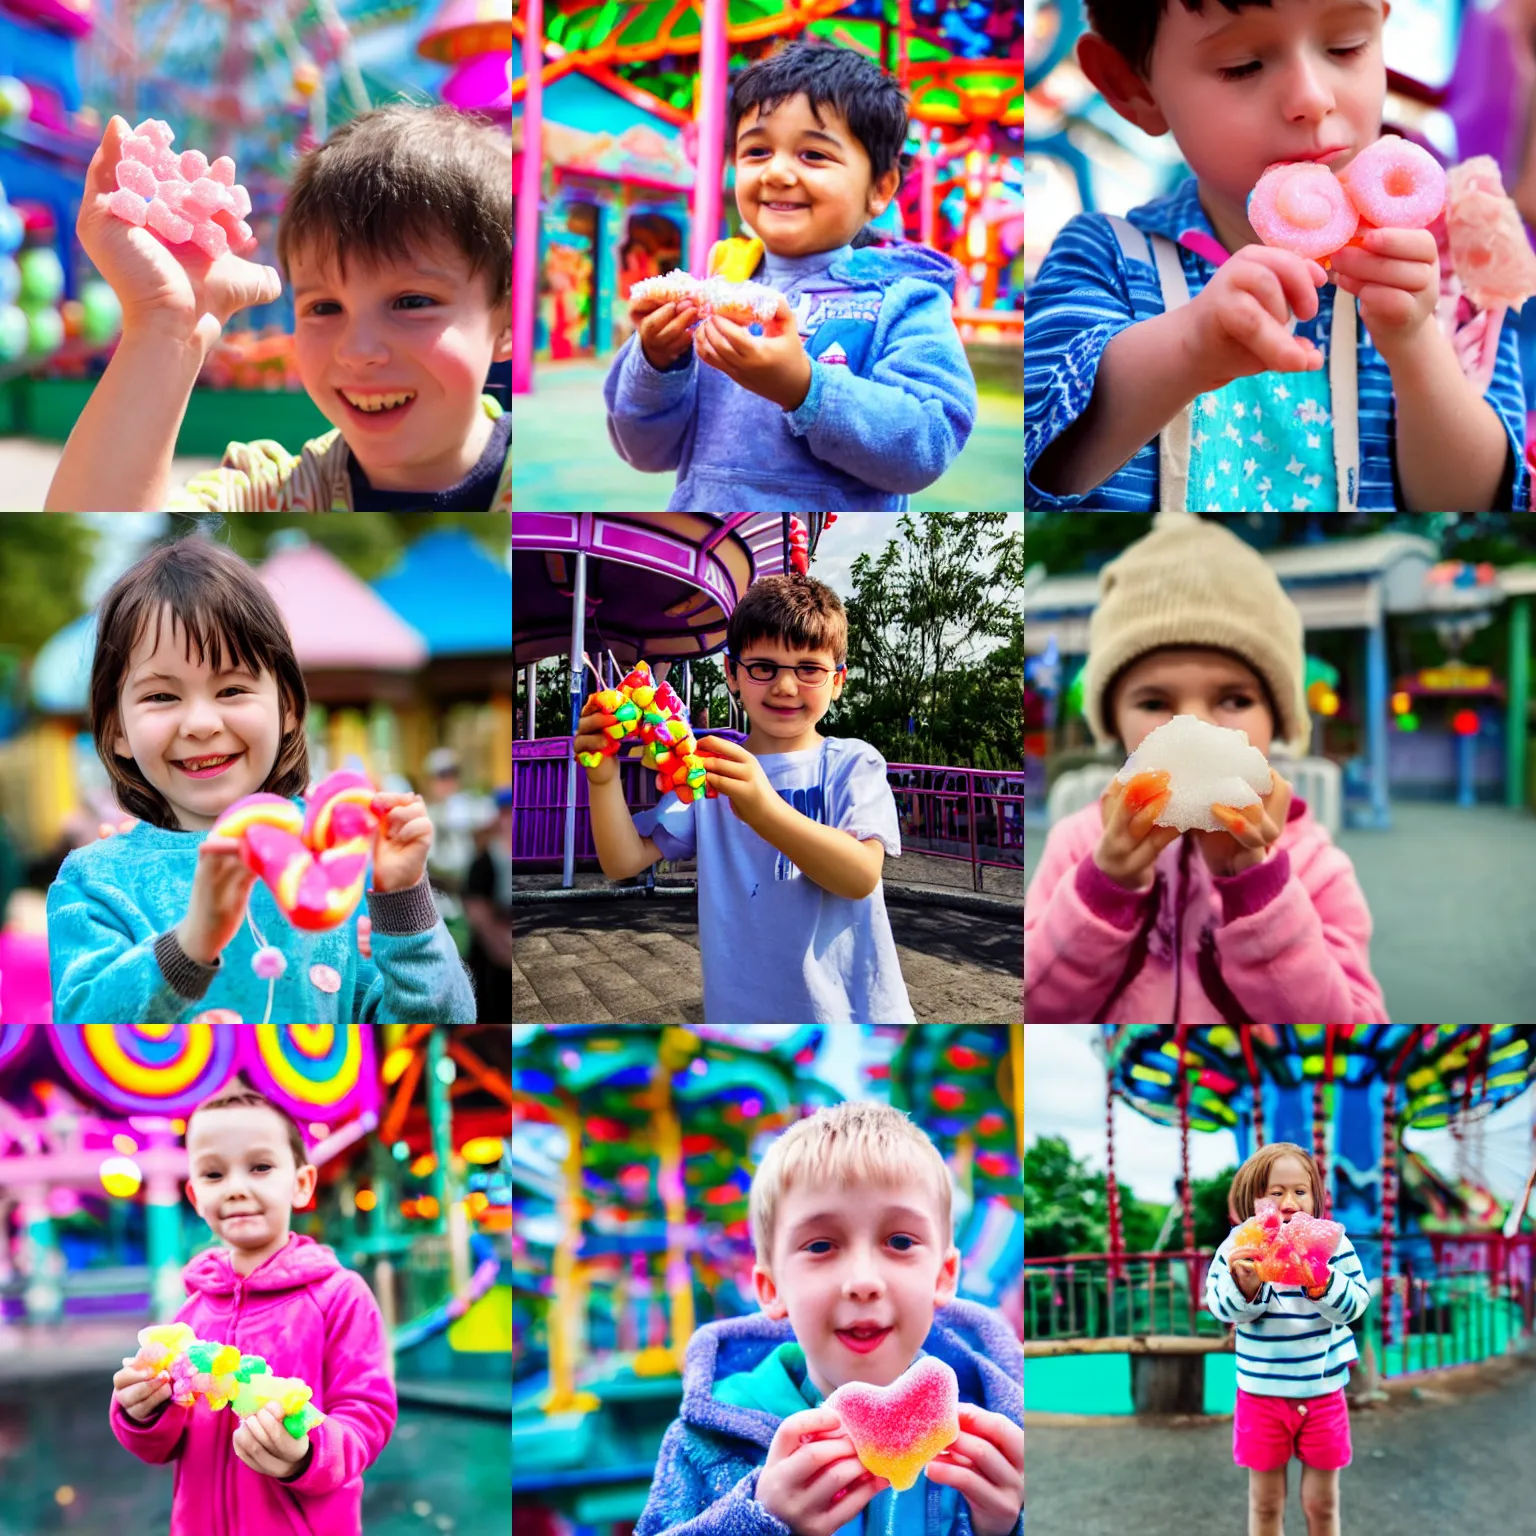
point(891, 401)
point(743, 1376)
point(113, 956)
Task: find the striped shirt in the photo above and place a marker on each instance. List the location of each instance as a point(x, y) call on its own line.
point(1086, 292)
point(1287, 1344)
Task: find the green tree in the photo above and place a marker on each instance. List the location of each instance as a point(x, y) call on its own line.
point(44, 561)
point(1066, 1206)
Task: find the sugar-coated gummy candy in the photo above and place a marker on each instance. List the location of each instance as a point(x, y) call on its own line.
point(897, 1430)
point(1294, 1252)
point(1208, 765)
point(749, 304)
point(1394, 184)
point(182, 197)
point(1302, 207)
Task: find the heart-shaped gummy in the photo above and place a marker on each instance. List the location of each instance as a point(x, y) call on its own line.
point(314, 862)
point(898, 1429)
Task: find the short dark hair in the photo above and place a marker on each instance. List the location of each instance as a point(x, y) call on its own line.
point(237, 1093)
point(1130, 26)
point(401, 178)
point(223, 611)
point(798, 611)
point(868, 100)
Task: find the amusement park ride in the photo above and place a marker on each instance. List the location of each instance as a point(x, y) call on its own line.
point(961, 61)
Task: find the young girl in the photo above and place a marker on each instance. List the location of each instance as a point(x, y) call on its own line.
point(197, 701)
point(1293, 1348)
point(1261, 923)
point(287, 1299)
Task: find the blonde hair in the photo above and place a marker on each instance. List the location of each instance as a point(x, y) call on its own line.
point(855, 1142)
point(1252, 1179)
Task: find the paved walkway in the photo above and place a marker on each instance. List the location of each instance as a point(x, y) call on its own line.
point(27, 465)
point(1450, 893)
point(1452, 1459)
point(562, 459)
point(635, 960)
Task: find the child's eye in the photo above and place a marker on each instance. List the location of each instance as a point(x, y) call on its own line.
point(424, 297)
point(900, 1237)
point(1245, 71)
point(1239, 700)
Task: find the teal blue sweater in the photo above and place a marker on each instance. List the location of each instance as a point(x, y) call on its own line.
point(113, 957)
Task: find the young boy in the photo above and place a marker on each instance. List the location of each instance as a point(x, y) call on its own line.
point(851, 1222)
point(1138, 396)
point(790, 854)
point(858, 392)
point(396, 235)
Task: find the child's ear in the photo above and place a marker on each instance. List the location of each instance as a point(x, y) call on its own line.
point(1119, 84)
point(503, 348)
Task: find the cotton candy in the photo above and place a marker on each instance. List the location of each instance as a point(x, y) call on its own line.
point(897, 1430)
point(1208, 766)
point(1489, 247)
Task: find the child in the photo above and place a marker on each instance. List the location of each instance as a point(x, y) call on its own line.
point(850, 1214)
point(859, 392)
point(1121, 359)
point(1261, 923)
point(791, 852)
point(193, 662)
point(287, 1299)
point(396, 235)
point(1293, 1348)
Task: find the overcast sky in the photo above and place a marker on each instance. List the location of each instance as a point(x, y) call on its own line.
point(1064, 1096)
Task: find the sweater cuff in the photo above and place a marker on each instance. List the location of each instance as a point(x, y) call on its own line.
point(403, 912)
point(805, 415)
point(1107, 899)
point(186, 977)
point(1254, 888)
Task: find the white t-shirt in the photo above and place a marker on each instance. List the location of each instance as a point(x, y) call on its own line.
point(777, 948)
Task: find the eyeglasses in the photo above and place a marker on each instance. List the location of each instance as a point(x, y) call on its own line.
point(808, 672)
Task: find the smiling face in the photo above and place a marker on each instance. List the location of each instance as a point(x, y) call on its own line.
point(803, 180)
point(1209, 684)
point(784, 712)
point(857, 1256)
point(244, 1181)
point(1240, 92)
point(1291, 1185)
point(395, 353)
point(203, 740)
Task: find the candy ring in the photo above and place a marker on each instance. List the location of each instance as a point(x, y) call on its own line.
point(313, 862)
point(1301, 207)
point(1395, 185)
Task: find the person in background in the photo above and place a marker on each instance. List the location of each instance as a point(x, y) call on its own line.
point(488, 909)
point(455, 816)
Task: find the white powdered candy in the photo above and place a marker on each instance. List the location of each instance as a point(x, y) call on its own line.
point(1207, 766)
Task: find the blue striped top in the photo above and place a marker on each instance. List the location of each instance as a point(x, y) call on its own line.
point(1086, 292)
point(1287, 1344)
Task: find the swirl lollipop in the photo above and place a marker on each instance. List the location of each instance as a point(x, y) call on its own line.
point(1302, 207)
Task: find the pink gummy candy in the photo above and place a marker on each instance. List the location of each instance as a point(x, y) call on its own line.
point(897, 1430)
point(180, 196)
point(1394, 184)
point(1294, 1252)
point(1300, 206)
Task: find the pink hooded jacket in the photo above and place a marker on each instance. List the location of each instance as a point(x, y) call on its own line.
point(308, 1316)
point(1284, 942)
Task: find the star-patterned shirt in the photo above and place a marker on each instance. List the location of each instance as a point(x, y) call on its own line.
point(1265, 442)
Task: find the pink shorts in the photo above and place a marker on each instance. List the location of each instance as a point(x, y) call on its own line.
point(1268, 1431)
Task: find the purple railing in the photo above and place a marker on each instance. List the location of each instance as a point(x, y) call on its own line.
point(975, 815)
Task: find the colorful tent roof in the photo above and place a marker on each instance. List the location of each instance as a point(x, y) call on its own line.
point(453, 592)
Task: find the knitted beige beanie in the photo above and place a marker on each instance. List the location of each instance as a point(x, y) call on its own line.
point(1192, 583)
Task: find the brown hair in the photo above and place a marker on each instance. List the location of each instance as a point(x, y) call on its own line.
point(222, 608)
point(237, 1093)
point(400, 179)
point(798, 611)
point(1252, 1179)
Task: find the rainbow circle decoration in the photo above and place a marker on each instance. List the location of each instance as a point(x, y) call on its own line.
point(13, 1040)
point(147, 1068)
point(313, 1069)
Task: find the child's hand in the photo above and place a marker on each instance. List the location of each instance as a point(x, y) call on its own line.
point(736, 774)
point(590, 727)
point(812, 1480)
point(1131, 843)
point(663, 329)
point(180, 292)
point(402, 842)
point(265, 1446)
point(1241, 1261)
point(221, 887)
point(1251, 831)
point(1396, 278)
point(139, 1391)
point(1238, 320)
point(773, 365)
point(986, 1466)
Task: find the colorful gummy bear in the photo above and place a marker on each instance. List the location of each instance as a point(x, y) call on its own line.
point(180, 196)
point(652, 712)
point(897, 1430)
point(1294, 1252)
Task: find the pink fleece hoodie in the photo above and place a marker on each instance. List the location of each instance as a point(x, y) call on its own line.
point(1285, 942)
point(308, 1316)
